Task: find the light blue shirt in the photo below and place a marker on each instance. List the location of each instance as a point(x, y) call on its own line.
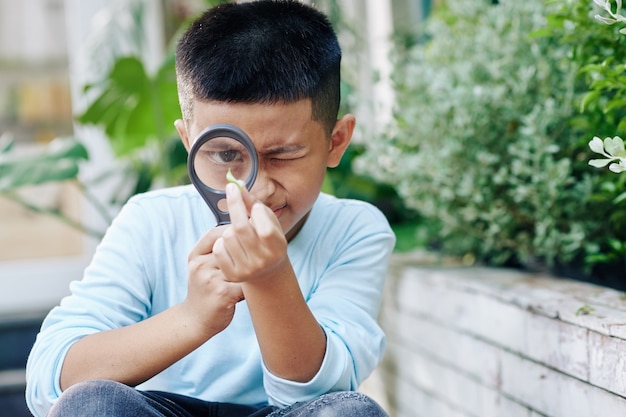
point(340, 257)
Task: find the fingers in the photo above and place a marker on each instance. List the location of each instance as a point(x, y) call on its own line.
point(226, 256)
point(242, 208)
point(206, 243)
point(211, 298)
point(251, 245)
point(238, 204)
point(263, 220)
point(248, 199)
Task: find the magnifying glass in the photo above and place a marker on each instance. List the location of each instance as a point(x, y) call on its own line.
point(217, 150)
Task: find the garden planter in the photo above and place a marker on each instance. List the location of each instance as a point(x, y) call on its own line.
point(479, 341)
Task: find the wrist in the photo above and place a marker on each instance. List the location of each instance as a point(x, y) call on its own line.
point(193, 327)
point(272, 277)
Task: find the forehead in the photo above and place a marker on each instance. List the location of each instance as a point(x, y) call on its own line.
point(266, 124)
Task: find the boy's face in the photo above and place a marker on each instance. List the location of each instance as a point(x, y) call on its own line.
point(294, 151)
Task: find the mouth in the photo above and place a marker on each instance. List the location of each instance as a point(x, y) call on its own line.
point(278, 210)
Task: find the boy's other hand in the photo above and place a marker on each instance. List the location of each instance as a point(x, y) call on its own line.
point(211, 299)
point(253, 245)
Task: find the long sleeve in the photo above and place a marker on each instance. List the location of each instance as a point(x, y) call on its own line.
point(341, 256)
point(114, 292)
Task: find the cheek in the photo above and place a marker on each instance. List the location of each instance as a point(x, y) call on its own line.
point(305, 199)
point(303, 187)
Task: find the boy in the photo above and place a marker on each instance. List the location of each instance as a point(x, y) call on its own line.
point(274, 314)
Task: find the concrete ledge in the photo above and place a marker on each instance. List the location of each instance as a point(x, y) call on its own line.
point(474, 341)
point(11, 380)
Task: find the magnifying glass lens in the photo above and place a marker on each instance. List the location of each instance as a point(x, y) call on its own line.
point(217, 150)
point(217, 156)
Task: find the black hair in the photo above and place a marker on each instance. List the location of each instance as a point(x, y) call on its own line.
point(265, 51)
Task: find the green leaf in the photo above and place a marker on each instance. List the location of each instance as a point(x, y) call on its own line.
point(590, 97)
point(586, 309)
point(133, 107)
point(125, 107)
point(231, 178)
point(620, 198)
point(6, 143)
point(128, 74)
point(104, 111)
point(616, 245)
point(60, 161)
point(67, 148)
point(615, 104)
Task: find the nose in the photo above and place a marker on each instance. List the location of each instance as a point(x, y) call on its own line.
point(264, 185)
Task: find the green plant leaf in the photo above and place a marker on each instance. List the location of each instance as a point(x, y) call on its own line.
point(585, 310)
point(128, 74)
point(6, 143)
point(134, 108)
point(620, 198)
point(590, 97)
point(60, 161)
point(67, 147)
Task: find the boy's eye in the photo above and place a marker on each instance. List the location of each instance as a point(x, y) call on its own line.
point(286, 158)
point(225, 157)
point(223, 151)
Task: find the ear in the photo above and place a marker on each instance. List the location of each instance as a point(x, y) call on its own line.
point(340, 139)
point(182, 132)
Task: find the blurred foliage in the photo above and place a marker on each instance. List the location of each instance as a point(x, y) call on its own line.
point(343, 181)
point(136, 109)
point(59, 161)
point(488, 143)
point(598, 46)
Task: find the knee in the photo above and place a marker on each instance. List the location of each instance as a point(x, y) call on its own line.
point(87, 398)
point(347, 403)
point(93, 389)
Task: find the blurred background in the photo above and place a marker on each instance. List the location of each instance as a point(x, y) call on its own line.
point(474, 122)
point(87, 104)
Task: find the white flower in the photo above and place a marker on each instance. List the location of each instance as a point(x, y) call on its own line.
point(614, 151)
point(597, 145)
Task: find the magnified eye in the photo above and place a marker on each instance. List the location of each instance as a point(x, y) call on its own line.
point(226, 157)
point(223, 151)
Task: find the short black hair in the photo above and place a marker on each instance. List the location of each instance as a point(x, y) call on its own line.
point(264, 51)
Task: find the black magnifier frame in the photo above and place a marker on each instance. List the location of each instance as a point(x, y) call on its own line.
point(210, 195)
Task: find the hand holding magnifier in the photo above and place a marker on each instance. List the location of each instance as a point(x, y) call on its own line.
point(218, 150)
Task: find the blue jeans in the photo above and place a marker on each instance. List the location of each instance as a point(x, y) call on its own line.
point(103, 398)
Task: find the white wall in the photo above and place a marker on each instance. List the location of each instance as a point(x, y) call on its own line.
point(32, 30)
point(486, 342)
point(74, 27)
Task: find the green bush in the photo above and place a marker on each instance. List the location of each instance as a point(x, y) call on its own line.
point(488, 142)
point(598, 45)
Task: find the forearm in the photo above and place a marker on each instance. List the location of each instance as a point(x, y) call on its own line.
point(135, 353)
point(291, 340)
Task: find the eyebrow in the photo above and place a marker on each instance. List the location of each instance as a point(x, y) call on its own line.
point(217, 144)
